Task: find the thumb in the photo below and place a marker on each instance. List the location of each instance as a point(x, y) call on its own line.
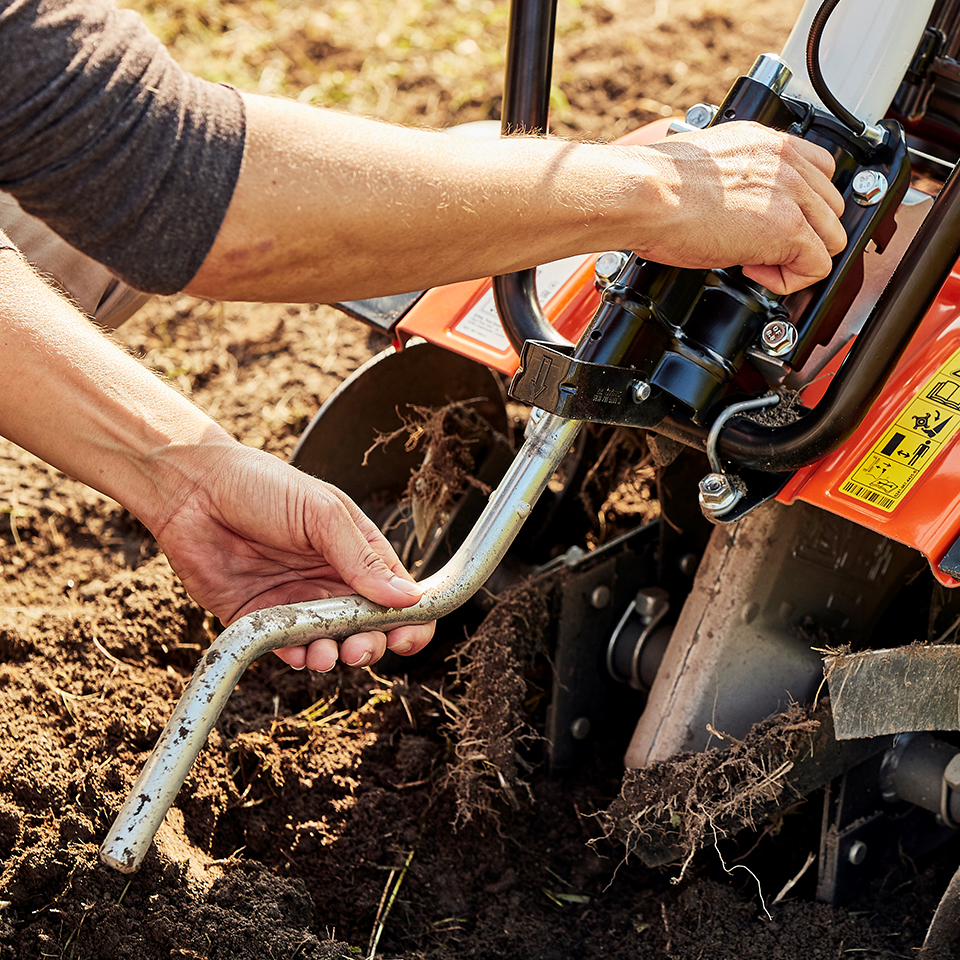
point(364, 559)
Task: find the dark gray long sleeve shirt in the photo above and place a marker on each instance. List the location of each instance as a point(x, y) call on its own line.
point(126, 156)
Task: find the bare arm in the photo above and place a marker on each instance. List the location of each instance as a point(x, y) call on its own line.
point(330, 206)
point(242, 529)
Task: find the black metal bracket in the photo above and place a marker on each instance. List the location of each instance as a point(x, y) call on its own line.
point(551, 378)
point(384, 313)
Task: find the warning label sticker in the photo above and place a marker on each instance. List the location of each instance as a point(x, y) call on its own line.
point(911, 443)
point(482, 323)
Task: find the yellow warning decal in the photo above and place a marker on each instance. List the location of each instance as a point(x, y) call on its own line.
point(911, 443)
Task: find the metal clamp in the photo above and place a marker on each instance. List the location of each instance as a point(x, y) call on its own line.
point(649, 607)
point(950, 782)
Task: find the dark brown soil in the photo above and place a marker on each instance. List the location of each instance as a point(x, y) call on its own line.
point(319, 820)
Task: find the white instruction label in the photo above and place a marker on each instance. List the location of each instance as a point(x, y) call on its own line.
point(482, 322)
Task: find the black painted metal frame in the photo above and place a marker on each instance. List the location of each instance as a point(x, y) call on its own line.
point(526, 106)
point(908, 296)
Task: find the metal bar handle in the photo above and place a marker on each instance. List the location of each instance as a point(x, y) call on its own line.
point(295, 624)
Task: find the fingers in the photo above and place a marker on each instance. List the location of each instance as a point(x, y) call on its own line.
point(821, 203)
point(360, 650)
point(817, 167)
point(745, 194)
point(364, 559)
point(407, 641)
point(816, 234)
point(321, 655)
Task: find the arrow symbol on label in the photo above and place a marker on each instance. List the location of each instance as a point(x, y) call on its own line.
point(539, 383)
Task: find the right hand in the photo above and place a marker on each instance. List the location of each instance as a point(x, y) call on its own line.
point(743, 194)
point(256, 533)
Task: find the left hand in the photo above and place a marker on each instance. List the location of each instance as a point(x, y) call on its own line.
point(257, 533)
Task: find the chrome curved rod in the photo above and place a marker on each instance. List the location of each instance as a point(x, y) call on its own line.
point(257, 633)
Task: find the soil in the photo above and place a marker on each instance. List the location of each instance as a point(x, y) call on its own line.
point(352, 814)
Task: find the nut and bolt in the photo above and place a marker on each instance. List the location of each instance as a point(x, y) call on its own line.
point(648, 602)
point(700, 115)
point(608, 267)
point(717, 494)
point(869, 187)
point(778, 337)
point(640, 390)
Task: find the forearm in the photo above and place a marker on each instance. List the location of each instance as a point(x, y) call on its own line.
point(330, 206)
point(333, 207)
point(74, 398)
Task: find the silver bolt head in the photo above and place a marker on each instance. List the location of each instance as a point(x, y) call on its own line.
point(640, 390)
point(648, 600)
point(869, 187)
point(717, 494)
point(608, 266)
point(600, 597)
point(778, 337)
point(700, 115)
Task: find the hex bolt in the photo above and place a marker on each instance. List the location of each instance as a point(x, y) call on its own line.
point(857, 852)
point(640, 390)
point(717, 495)
point(647, 601)
point(608, 267)
point(580, 728)
point(869, 187)
point(778, 337)
point(700, 115)
point(600, 597)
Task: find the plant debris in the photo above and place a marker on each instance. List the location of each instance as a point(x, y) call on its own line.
point(670, 809)
point(491, 722)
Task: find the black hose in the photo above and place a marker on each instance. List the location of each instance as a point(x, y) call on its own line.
point(816, 75)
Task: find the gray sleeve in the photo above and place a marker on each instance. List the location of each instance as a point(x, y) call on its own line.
point(102, 136)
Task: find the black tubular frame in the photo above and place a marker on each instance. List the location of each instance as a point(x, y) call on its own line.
point(526, 106)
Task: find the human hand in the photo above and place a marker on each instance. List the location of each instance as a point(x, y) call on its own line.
point(256, 533)
point(743, 194)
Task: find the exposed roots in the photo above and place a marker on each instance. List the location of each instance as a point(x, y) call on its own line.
point(491, 722)
point(668, 810)
point(621, 482)
point(449, 437)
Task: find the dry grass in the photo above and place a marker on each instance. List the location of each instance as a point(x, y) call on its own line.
point(367, 58)
point(489, 721)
